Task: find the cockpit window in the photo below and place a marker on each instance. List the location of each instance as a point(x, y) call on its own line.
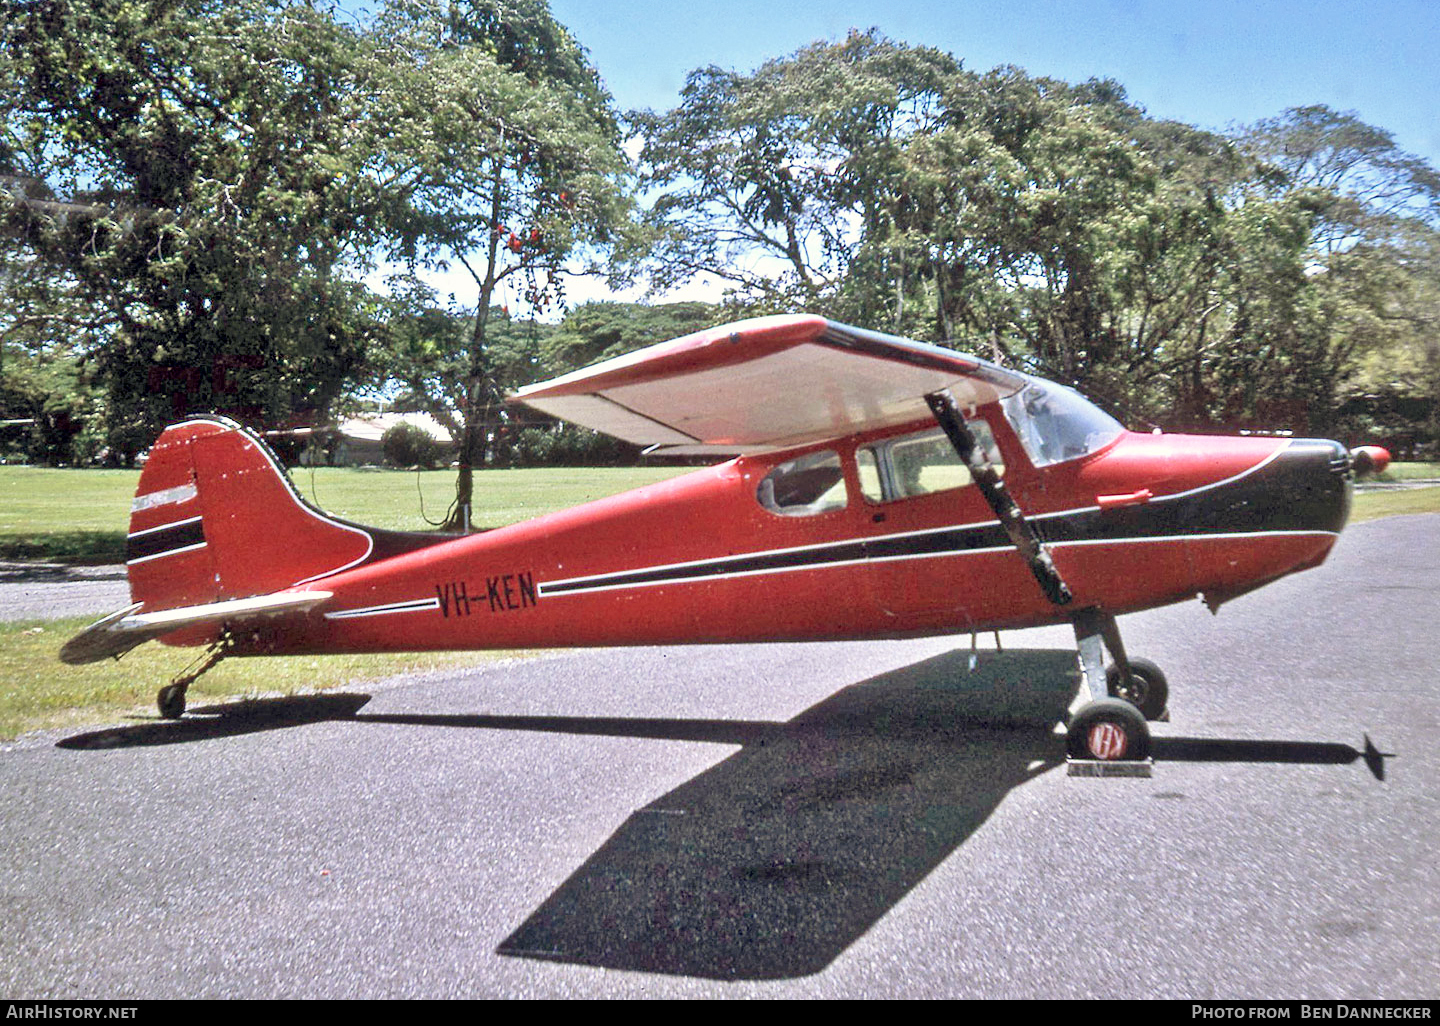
point(813, 483)
point(1056, 424)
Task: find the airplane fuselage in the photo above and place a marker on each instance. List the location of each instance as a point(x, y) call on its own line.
point(1144, 521)
point(887, 489)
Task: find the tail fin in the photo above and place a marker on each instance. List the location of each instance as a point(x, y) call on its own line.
point(216, 518)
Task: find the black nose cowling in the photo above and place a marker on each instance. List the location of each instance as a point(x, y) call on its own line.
point(1309, 488)
point(1306, 487)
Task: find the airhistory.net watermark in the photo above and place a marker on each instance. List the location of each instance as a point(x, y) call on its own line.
point(45, 1010)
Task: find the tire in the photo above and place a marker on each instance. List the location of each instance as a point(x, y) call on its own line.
point(1148, 690)
point(171, 702)
point(1108, 730)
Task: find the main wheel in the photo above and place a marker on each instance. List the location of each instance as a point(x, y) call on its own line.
point(1146, 690)
point(171, 701)
point(1108, 729)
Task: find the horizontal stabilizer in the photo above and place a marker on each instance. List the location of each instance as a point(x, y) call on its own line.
point(121, 631)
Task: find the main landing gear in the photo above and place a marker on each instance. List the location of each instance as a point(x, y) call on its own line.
point(1110, 732)
point(1111, 728)
point(1146, 688)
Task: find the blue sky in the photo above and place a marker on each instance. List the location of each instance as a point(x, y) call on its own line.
point(1208, 63)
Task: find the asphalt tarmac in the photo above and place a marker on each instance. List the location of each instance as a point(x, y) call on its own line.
point(33, 591)
point(844, 820)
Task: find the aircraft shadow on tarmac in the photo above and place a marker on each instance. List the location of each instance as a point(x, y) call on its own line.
point(772, 862)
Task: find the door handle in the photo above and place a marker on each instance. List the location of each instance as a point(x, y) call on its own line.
point(1127, 499)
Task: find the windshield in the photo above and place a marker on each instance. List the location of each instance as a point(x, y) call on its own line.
point(1055, 424)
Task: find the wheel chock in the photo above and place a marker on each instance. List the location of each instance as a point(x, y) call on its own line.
point(1110, 767)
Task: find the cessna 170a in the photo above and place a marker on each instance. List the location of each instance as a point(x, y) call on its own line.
point(878, 488)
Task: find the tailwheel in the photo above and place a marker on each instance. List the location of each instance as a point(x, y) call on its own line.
point(1108, 730)
point(171, 701)
point(1146, 689)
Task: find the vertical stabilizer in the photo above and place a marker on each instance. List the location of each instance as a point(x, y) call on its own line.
point(215, 518)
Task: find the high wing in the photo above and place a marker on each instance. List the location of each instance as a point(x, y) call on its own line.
point(118, 633)
point(765, 384)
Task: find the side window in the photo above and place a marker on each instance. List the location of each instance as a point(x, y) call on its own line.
point(813, 483)
point(921, 464)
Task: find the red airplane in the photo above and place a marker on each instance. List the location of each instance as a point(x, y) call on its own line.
point(879, 488)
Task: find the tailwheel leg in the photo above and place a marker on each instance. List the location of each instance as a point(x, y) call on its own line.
point(171, 699)
point(1106, 729)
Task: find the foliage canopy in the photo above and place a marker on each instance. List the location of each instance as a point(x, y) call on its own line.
point(196, 199)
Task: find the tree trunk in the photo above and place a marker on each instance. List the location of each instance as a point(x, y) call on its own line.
point(480, 393)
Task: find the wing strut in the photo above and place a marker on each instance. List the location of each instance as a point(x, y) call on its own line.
point(1021, 534)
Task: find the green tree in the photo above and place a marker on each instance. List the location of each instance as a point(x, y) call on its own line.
point(408, 445)
point(1371, 274)
point(1372, 187)
point(768, 181)
point(429, 354)
point(501, 153)
point(1178, 275)
point(1393, 394)
point(50, 414)
point(185, 172)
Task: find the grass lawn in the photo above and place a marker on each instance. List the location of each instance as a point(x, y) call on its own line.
point(65, 515)
point(81, 515)
point(37, 691)
point(1373, 505)
point(1409, 471)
